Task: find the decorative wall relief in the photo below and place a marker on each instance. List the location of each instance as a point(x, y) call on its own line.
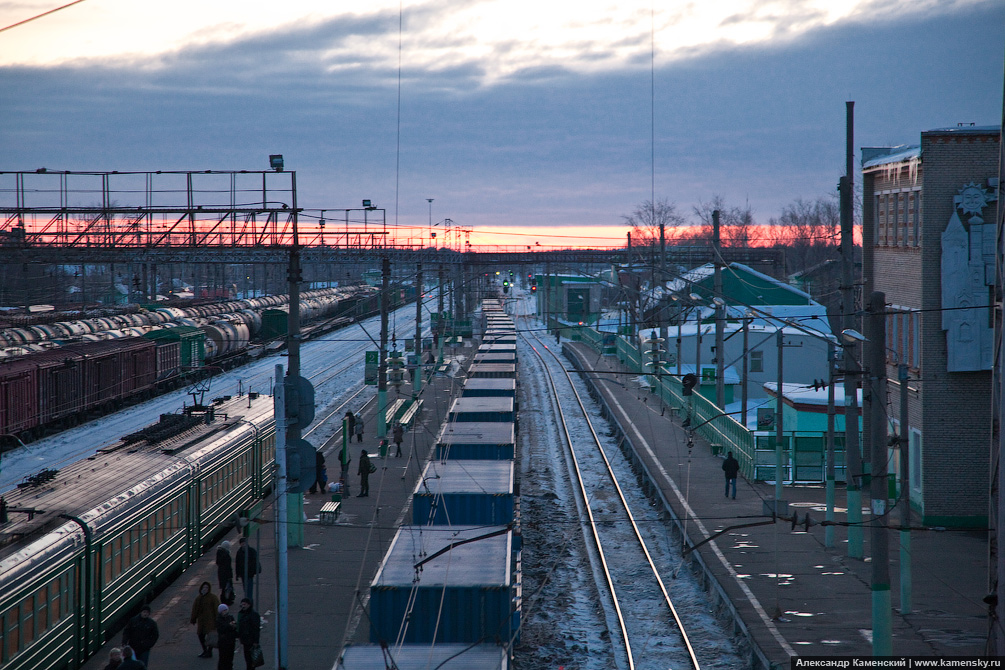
point(968, 270)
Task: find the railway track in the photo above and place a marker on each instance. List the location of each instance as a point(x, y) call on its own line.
point(652, 632)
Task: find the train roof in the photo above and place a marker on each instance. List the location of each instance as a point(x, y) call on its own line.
point(121, 470)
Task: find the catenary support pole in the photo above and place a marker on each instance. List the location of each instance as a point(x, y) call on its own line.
point(417, 350)
point(282, 604)
point(385, 295)
point(720, 316)
point(882, 642)
point(779, 427)
point(905, 493)
point(831, 411)
point(853, 454)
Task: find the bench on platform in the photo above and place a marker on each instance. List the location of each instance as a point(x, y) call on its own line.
point(329, 513)
point(409, 414)
point(394, 409)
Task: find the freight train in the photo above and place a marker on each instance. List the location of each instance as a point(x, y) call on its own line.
point(82, 548)
point(63, 385)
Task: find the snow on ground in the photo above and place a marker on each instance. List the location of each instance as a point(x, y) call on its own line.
point(321, 359)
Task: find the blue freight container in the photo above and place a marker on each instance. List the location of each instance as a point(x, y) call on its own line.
point(468, 408)
point(495, 357)
point(476, 440)
point(467, 594)
point(492, 371)
point(464, 492)
point(489, 388)
point(423, 656)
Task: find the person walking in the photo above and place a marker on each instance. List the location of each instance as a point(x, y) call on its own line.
point(319, 471)
point(204, 616)
point(129, 660)
point(226, 630)
point(249, 627)
point(247, 567)
point(225, 573)
point(398, 433)
point(364, 470)
point(114, 659)
point(358, 428)
point(141, 634)
point(731, 467)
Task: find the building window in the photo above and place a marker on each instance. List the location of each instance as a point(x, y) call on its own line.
point(757, 361)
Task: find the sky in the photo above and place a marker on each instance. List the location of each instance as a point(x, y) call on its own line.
point(527, 121)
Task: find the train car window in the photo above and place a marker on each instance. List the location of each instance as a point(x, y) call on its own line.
point(27, 621)
point(55, 597)
point(107, 556)
point(42, 609)
point(136, 552)
point(11, 632)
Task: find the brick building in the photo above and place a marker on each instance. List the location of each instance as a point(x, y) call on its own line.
point(928, 239)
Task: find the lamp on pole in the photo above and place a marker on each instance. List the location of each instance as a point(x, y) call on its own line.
point(430, 201)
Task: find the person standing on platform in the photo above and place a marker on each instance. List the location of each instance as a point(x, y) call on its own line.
point(141, 634)
point(319, 471)
point(249, 628)
point(226, 630)
point(358, 428)
point(364, 470)
point(225, 573)
point(731, 467)
point(247, 567)
point(399, 434)
point(204, 616)
point(350, 424)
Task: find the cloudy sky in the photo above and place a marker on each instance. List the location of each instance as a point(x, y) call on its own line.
point(523, 116)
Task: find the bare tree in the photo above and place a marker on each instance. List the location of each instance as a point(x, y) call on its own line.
point(810, 230)
point(647, 218)
point(736, 224)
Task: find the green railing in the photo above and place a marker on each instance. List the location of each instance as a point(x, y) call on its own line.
point(719, 429)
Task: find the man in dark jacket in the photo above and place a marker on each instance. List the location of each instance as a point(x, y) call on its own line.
point(225, 572)
point(247, 567)
point(364, 474)
point(399, 435)
point(319, 465)
point(141, 634)
point(249, 627)
point(731, 467)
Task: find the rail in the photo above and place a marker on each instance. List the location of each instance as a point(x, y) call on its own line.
point(586, 497)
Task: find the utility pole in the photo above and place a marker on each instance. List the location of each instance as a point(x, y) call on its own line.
point(439, 330)
point(779, 428)
point(282, 565)
point(743, 388)
point(417, 373)
point(853, 455)
point(720, 314)
point(385, 282)
point(882, 627)
point(831, 411)
point(905, 494)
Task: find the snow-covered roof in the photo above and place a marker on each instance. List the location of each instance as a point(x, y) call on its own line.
point(896, 155)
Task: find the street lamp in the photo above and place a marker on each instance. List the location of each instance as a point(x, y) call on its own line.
point(431, 235)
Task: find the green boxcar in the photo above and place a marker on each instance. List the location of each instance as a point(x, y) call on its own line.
point(274, 323)
point(192, 340)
